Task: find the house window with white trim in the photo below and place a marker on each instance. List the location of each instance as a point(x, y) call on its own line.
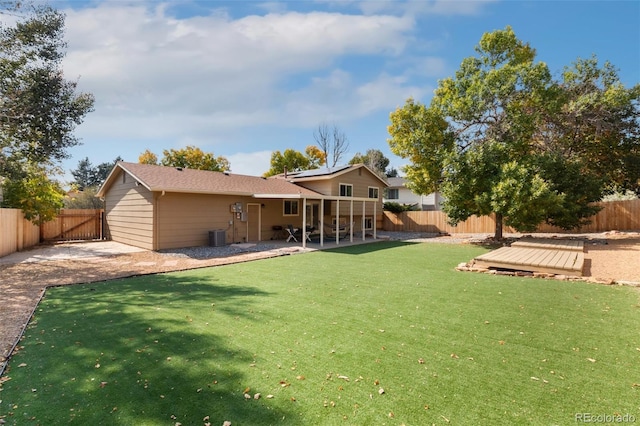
point(346, 190)
point(373, 192)
point(368, 223)
point(392, 194)
point(290, 208)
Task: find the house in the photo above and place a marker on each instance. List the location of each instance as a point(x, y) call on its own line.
point(397, 192)
point(158, 207)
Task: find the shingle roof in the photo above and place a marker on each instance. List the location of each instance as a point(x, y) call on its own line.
point(397, 182)
point(172, 179)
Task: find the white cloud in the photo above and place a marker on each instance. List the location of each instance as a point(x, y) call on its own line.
point(153, 74)
point(250, 163)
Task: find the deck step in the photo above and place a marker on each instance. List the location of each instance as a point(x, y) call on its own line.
point(573, 245)
point(541, 255)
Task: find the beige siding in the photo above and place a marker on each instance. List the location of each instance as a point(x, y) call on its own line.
point(184, 220)
point(320, 186)
point(361, 179)
point(129, 213)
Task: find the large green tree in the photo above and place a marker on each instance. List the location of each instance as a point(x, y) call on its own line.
point(39, 108)
point(86, 175)
point(503, 137)
point(376, 161)
point(190, 157)
point(292, 160)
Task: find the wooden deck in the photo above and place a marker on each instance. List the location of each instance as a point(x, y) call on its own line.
point(537, 255)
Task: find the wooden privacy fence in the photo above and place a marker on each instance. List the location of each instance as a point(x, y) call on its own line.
point(16, 232)
point(74, 224)
point(615, 215)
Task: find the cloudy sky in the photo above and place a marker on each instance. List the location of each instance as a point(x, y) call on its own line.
point(244, 78)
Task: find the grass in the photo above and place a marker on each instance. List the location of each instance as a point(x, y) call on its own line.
point(384, 333)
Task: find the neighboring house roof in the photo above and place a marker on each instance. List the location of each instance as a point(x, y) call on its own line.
point(397, 182)
point(175, 179)
point(324, 173)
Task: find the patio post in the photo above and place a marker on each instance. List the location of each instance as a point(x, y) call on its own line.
point(337, 221)
point(351, 221)
point(304, 222)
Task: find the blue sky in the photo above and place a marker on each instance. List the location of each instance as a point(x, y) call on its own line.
point(242, 79)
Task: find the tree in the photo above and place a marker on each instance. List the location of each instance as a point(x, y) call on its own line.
point(292, 160)
point(502, 137)
point(85, 199)
point(190, 157)
point(597, 119)
point(39, 109)
point(374, 159)
point(88, 176)
point(332, 142)
point(148, 157)
point(39, 197)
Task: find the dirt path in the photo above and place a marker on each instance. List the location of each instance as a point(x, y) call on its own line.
point(612, 258)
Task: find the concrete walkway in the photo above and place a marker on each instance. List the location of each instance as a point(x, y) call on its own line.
point(68, 251)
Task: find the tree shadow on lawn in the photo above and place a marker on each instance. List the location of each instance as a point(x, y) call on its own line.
point(369, 247)
point(138, 351)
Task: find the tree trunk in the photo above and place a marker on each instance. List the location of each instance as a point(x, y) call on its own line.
point(498, 234)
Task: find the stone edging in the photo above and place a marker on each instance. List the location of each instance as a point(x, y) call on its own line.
point(466, 267)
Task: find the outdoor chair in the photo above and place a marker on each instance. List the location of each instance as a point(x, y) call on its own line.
point(292, 232)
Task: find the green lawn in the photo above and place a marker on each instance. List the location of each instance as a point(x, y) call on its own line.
point(384, 333)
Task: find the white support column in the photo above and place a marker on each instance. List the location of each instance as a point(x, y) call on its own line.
point(321, 223)
point(337, 230)
point(364, 210)
point(351, 221)
point(375, 221)
point(304, 223)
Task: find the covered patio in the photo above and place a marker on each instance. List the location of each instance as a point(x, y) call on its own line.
point(308, 232)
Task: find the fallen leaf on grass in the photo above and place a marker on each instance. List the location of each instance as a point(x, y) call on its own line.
point(454, 356)
point(591, 359)
point(103, 384)
point(420, 361)
point(22, 365)
point(256, 396)
point(345, 378)
point(380, 391)
point(247, 396)
point(269, 396)
point(300, 377)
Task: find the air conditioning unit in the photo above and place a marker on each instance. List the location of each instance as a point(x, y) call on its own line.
point(217, 238)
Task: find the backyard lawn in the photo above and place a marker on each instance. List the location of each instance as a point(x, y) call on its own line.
point(383, 333)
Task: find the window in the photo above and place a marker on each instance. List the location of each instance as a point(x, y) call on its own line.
point(392, 194)
point(290, 208)
point(373, 192)
point(346, 190)
point(368, 223)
